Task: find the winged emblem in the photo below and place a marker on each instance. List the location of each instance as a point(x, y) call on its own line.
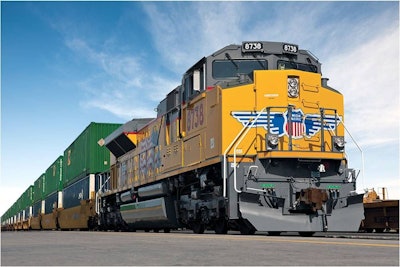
point(300, 125)
point(276, 120)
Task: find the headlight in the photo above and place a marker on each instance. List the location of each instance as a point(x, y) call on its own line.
point(338, 142)
point(272, 141)
point(293, 86)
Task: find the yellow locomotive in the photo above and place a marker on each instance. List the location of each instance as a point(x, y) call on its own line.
point(253, 139)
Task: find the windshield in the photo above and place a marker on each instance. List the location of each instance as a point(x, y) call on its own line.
point(223, 69)
point(287, 65)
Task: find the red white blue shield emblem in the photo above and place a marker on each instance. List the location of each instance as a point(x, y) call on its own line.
point(300, 125)
point(295, 126)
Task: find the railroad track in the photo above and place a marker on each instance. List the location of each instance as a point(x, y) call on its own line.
point(352, 235)
point(355, 235)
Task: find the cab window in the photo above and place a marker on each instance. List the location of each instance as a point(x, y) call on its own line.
point(229, 69)
point(289, 65)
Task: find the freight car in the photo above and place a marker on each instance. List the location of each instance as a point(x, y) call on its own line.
point(252, 139)
point(63, 196)
point(85, 166)
point(381, 214)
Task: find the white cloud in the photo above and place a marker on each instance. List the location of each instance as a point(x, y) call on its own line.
point(124, 85)
point(123, 68)
point(183, 33)
point(364, 66)
point(368, 76)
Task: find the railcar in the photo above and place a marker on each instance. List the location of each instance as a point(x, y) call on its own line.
point(52, 185)
point(84, 165)
point(26, 206)
point(251, 140)
point(38, 204)
point(18, 215)
point(381, 214)
point(63, 196)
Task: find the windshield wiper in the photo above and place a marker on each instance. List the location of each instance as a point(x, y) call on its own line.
point(233, 62)
point(259, 62)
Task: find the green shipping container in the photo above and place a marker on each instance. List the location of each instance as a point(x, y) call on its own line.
point(16, 207)
point(85, 156)
point(38, 185)
point(18, 204)
point(53, 177)
point(26, 199)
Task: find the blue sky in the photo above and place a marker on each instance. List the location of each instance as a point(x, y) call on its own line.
point(66, 64)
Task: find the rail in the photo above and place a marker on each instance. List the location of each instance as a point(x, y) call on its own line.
point(239, 141)
point(359, 148)
point(225, 156)
point(101, 188)
point(240, 135)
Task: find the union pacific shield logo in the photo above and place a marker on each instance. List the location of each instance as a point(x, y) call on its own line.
point(296, 126)
point(301, 125)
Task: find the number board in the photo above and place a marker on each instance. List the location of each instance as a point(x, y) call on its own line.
point(290, 48)
point(252, 47)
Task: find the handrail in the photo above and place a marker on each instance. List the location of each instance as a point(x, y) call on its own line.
point(226, 152)
point(240, 140)
point(97, 194)
point(245, 129)
point(359, 148)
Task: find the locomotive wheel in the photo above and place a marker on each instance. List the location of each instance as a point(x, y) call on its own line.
point(198, 228)
point(306, 234)
point(247, 231)
point(274, 233)
point(221, 227)
point(246, 228)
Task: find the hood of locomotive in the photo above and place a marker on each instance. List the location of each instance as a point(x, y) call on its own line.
point(242, 104)
point(301, 179)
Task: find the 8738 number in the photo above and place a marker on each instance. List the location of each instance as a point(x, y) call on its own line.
point(290, 48)
point(253, 46)
point(195, 117)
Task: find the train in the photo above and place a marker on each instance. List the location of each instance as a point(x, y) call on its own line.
point(62, 197)
point(253, 139)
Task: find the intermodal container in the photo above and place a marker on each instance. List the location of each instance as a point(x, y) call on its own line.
point(27, 198)
point(37, 207)
point(18, 209)
point(38, 185)
point(51, 203)
point(53, 177)
point(85, 156)
point(74, 193)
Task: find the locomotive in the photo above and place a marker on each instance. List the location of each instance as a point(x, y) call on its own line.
point(251, 140)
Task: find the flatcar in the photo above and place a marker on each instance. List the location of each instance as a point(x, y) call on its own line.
point(253, 139)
